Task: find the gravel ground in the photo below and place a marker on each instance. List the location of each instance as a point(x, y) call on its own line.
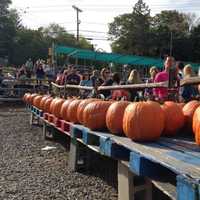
point(28, 173)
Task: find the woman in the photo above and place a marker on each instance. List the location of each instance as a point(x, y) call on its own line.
point(134, 78)
point(40, 74)
point(189, 91)
point(106, 80)
point(149, 92)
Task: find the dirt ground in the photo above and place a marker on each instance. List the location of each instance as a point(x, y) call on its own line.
point(29, 173)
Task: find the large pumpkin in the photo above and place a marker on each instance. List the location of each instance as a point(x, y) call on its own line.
point(196, 125)
point(37, 100)
point(72, 111)
point(43, 100)
point(81, 108)
point(57, 107)
point(31, 97)
point(47, 105)
point(52, 105)
point(181, 105)
point(143, 121)
point(174, 118)
point(94, 114)
point(188, 111)
point(64, 109)
point(114, 116)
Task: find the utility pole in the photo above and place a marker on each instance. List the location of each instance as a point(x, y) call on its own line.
point(77, 20)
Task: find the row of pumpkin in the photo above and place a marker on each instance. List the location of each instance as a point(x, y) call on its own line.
point(140, 121)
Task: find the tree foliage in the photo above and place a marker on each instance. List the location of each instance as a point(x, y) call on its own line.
point(139, 33)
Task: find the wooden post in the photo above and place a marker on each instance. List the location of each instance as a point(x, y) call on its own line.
point(73, 154)
point(125, 182)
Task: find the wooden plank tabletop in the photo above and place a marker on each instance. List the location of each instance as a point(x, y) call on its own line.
point(176, 160)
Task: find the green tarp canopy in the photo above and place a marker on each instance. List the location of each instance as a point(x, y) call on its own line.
point(112, 57)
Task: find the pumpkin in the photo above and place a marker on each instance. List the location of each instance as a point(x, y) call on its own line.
point(52, 105)
point(143, 121)
point(64, 109)
point(188, 111)
point(114, 116)
point(47, 104)
point(72, 111)
point(94, 114)
point(25, 97)
point(37, 100)
point(43, 100)
point(57, 107)
point(196, 125)
point(181, 105)
point(174, 118)
point(31, 97)
point(81, 108)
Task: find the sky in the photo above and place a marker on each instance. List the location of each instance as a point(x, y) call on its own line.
point(95, 16)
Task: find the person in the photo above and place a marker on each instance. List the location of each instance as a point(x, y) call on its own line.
point(119, 93)
point(40, 74)
point(189, 91)
point(106, 80)
point(73, 78)
point(149, 93)
point(29, 68)
point(162, 93)
point(59, 77)
point(86, 81)
point(134, 78)
point(180, 66)
point(96, 80)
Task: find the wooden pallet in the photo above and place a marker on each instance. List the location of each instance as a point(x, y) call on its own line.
point(170, 164)
point(168, 159)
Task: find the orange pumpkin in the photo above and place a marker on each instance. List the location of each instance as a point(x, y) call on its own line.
point(143, 121)
point(94, 114)
point(174, 118)
point(196, 125)
point(81, 108)
point(52, 105)
point(43, 100)
point(37, 100)
point(188, 111)
point(25, 97)
point(47, 105)
point(72, 111)
point(57, 107)
point(64, 109)
point(114, 116)
point(181, 105)
point(31, 97)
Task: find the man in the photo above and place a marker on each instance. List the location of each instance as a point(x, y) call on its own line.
point(73, 78)
point(162, 93)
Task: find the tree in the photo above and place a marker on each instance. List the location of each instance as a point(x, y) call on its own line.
point(131, 31)
point(195, 38)
point(164, 25)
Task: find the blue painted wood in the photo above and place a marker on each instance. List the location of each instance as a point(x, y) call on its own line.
point(186, 189)
point(113, 150)
point(142, 166)
point(75, 132)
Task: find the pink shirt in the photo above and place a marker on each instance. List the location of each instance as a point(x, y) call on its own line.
point(161, 77)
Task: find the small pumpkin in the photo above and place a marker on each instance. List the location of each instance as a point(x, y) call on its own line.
point(196, 125)
point(114, 116)
point(37, 100)
point(143, 121)
point(94, 114)
point(57, 107)
point(188, 111)
point(72, 111)
point(81, 108)
point(25, 97)
point(47, 105)
point(174, 118)
point(43, 100)
point(181, 105)
point(32, 96)
point(64, 109)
